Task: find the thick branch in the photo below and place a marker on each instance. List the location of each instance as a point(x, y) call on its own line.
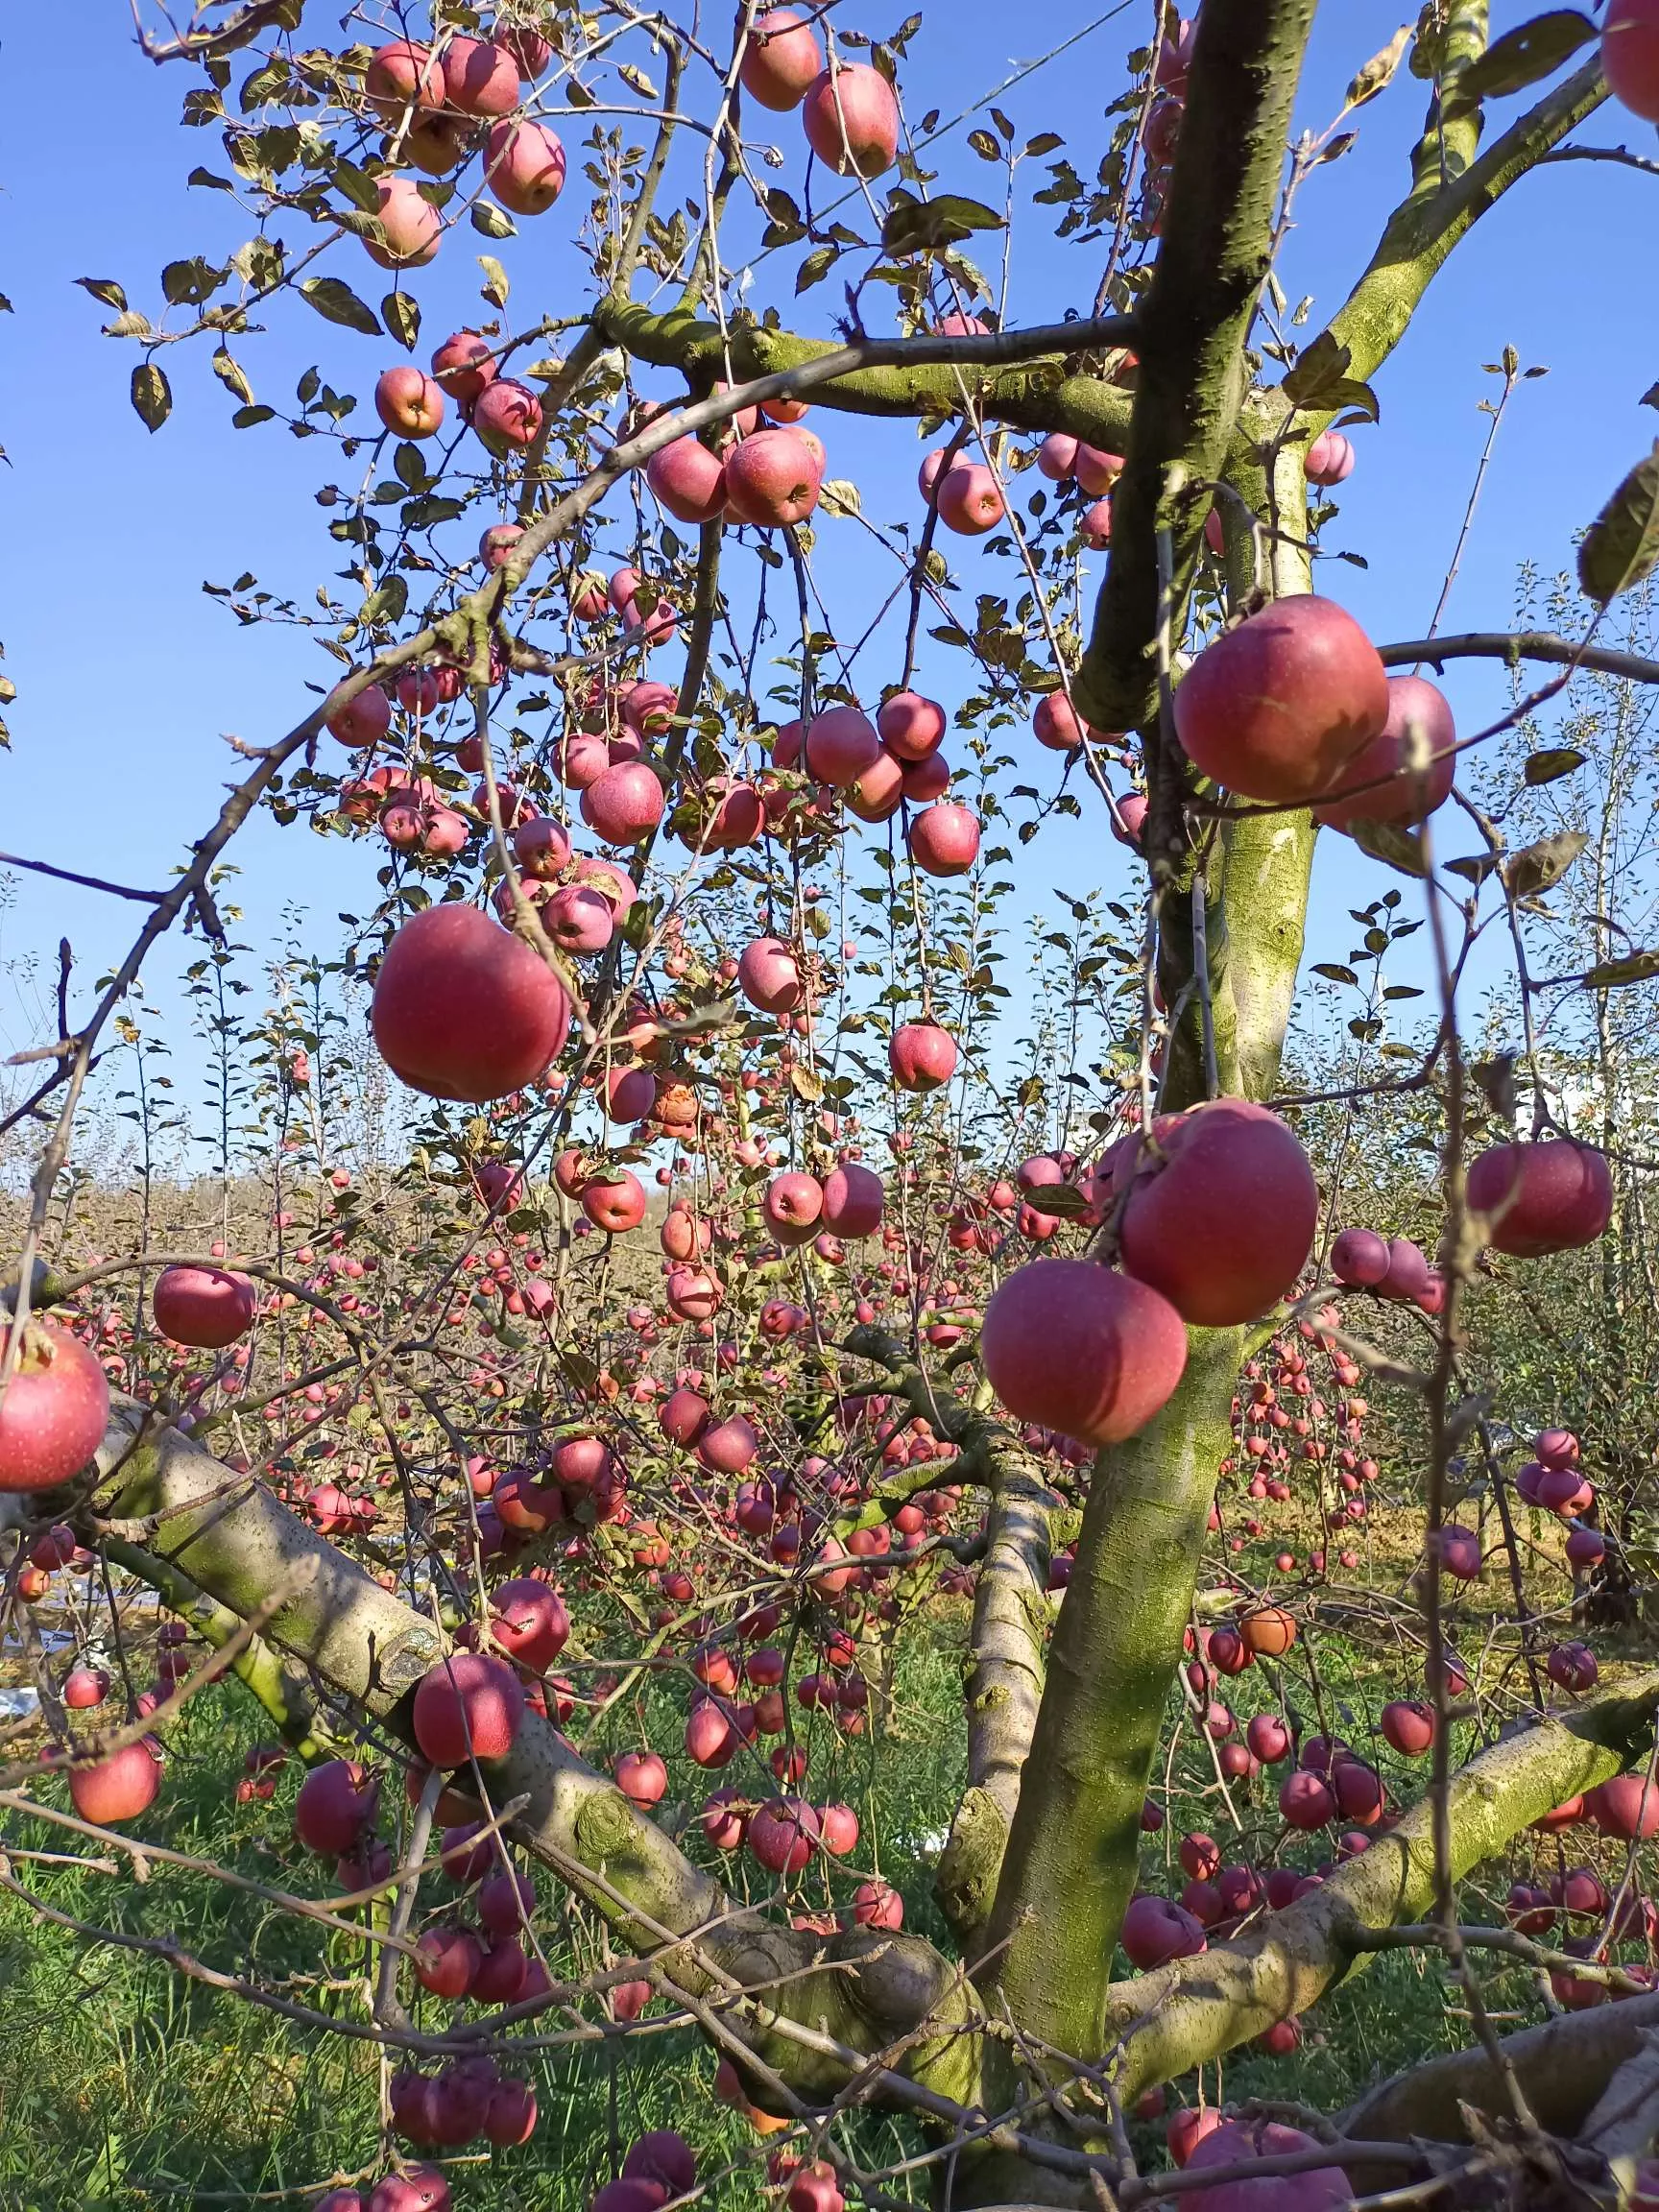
point(1564, 2067)
point(1217, 249)
point(1429, 222)
point(904, 377)
point(1004, 1686)
point(862, 1990)
point(1075, 1847)
point(257, 1668)
point(1192, 2011)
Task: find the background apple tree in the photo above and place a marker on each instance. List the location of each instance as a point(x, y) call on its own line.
point(770, 1530)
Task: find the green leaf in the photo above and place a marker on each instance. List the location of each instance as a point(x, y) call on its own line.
point(1524, 57)
point(1536, 867)
point(1633, 967)
point(1546, 767)
point(188, 283)
point(815, 268)
point(1395, 846)
point(388, 602)
point(1621, 544)
point(1063, 1200)
point(337, 302)
point(402, 316)
point(491, 222)
point(230, 373)
point(247, 417)
point(495, 286)
point(923, 227)
point(1320, 379)
point(106, 289)
point(128, 323)
point(151, 395)
point(839, 496)
point(1333, 972)
point(356, 186)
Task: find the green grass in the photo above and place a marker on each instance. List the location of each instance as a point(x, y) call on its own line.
point(122, 2083)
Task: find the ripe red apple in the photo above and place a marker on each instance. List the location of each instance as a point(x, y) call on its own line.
point(969, 499)
point(54, 1409)
point(364, 719)
point(507, 416)
point(1268, 1739)
point(116, 1789)
point(1408, 1724)
point(468, 1701)
point(945, 839)
point(781, 1835)
point(1630, 55)
point(1057, 724)
point(1329, 459)
point(465, 1010)
point(878, 1905)
point(1268, 1631)
point(203, 1305)
point(688, 480)
point(413, 227)
point(1223, 1226)
point(1626, 1807)
point(772, 477)
point(403, 74)
point(615, 1202)
point(851, 118)
point(768, 976)
point(529, 1621)
point(1360, 1257)
point(408, 401)
point(480, 77)
point(1407, 797)
point(1156, 1929)
point(417, 2189)
point(909, 726)
point(446, 1961)
point(782, 61)
point(1278, 706)
point(1305, 1799)
point(662, 2157)
point(624, 803)
point(524, 166)
point(1552, 1195)
point(1073, 1345)
point(841, 745)
point(335, 1804)
point(853, 1200)
point(922, 1056)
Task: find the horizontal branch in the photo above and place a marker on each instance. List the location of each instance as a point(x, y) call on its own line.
point(1514, 646)
point(889, 376)
point(1197, 2009)
point(1562, 2066)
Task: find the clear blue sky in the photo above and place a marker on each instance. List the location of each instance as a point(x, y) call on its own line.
point(128, 675)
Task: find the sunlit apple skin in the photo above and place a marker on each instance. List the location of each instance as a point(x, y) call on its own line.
point(1403, 798)
point(465, 1010)
point(1278, 708)
point(852, 120)
point(55, 1410)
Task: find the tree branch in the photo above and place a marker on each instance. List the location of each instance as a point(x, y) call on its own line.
point(1216, 249)
point(1514, 646)
point(1193, 2010)
point(1429, 222)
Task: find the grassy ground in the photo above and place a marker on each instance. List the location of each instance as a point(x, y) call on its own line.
point(123, 2083)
